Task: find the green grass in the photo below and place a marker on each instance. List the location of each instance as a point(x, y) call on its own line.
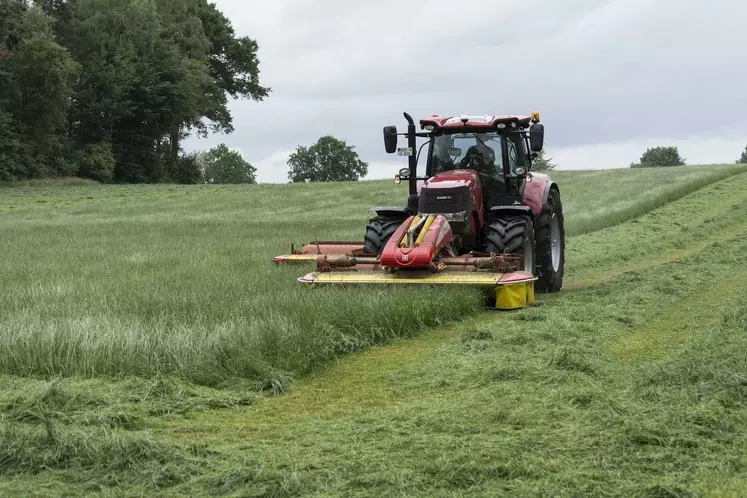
point(138, 323)
point(178, 280)
point(68, 181)
point(603, 198)
point(146, 280)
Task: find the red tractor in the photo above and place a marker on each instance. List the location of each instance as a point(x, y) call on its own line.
point(479, 216)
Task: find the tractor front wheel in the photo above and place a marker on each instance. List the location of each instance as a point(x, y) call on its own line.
point(550, 235)
point(512, 234)
point(378, 232)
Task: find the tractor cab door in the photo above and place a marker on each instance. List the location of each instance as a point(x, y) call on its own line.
point(496, 190)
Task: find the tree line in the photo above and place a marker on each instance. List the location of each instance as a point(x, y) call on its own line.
point(108, 89)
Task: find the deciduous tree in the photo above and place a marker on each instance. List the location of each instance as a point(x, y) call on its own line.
point(222, 165)
point(542, 163)
point(126, 80)
point(743, 159)
point(657, 157)
point(328, 160)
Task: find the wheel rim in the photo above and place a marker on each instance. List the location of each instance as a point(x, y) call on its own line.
point(555, 241)
point(528, 256)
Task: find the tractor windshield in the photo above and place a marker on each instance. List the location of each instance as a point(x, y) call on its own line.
point(479, 151)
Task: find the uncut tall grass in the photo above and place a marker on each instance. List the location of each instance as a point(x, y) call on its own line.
point(146, 280)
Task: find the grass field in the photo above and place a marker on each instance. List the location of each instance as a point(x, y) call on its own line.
point(139, 323)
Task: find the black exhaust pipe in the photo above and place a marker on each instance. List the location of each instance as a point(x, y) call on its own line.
point(412, 144)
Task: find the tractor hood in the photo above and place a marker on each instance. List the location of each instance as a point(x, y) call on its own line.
point(452, 179)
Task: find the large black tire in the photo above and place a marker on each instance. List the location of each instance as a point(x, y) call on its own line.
point(378, 232)
point(512, 233)
point(550, 235)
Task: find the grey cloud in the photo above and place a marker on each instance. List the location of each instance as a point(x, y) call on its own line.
point(598, 71)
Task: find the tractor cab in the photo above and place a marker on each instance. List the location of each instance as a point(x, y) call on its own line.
point(482, 153)
point(498, 148)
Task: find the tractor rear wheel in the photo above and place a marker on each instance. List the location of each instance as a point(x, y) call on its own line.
point(378, 232)
point(550, 233)
point(512, 234)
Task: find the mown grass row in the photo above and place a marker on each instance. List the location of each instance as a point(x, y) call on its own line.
point(604, 198)
point(632, 385)
point(606, 389)
point(174, 280)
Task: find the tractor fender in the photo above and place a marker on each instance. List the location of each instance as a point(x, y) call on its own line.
point(551, 185)
point(394, 211)
point(536, 191)
point(517, 209)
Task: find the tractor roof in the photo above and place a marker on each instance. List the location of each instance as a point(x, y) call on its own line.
point(473, 123)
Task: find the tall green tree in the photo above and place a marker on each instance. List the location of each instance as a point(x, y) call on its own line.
point(41, 103)
point(233, 65)
point(224, 65)
point(42, 97)
point(37, 76)
point(155, 76)
point(11, 20)
point(91, 81)
point(123, 92)
point(181, 26)
point(328, 160)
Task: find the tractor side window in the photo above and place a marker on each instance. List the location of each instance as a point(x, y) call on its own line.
point(517, 145)
point(513, 154)
point(443, 160)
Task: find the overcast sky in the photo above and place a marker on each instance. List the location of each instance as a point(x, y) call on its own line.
point(609, 78)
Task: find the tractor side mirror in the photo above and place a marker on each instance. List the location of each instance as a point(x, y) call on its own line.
point(537, 137)
point(390, 139)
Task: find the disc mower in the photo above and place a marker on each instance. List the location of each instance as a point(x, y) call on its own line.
point(478, 217)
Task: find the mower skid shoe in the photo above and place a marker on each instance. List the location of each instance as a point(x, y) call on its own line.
point(514, 296)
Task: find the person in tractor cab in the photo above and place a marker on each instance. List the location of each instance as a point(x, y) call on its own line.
point(482, 158)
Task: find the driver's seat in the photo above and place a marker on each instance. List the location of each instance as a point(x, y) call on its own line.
point(479, 157)
point(482, 159)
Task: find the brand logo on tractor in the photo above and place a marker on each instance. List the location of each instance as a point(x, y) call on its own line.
point(443, 197)
point(405, 257)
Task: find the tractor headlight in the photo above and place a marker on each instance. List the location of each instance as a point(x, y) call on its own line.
point(519, 170)
point(455, 217)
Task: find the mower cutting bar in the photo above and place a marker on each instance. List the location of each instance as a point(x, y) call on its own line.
point(508, 291)
point(477, 279)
